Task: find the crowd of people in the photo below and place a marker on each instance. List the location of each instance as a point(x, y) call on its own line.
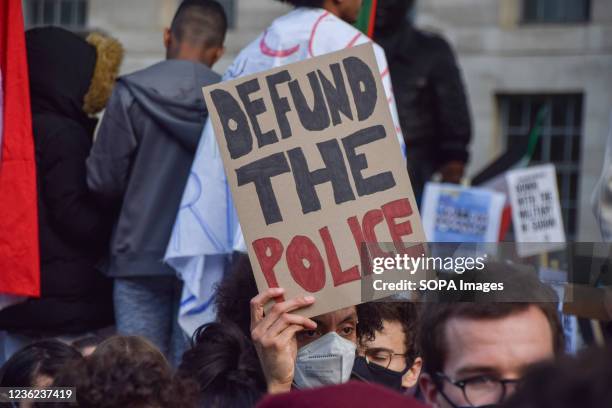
point(107, 206)
point(492, 352)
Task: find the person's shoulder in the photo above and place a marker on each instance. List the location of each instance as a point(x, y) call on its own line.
point(121, 94)
point(143, 72)
point(156, 71)
point(328, 24)
point(205, 75)
point(330, 33)
point(60, 136)
point(167, 69)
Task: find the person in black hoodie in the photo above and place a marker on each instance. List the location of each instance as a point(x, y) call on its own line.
point(71, 79)
point(141, 161)
point(430, 95)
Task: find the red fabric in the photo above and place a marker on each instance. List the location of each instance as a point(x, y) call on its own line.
point(353, 394)
point(372, 22)
point(19, 257)
point(506, 219)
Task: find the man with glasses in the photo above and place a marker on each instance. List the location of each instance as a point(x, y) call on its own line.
point(475, 352)
point(387, 351)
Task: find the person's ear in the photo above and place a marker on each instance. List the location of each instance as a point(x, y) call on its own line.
point(429, 390)
point(167, 38)
point(411, 377)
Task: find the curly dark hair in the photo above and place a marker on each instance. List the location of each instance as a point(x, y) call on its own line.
point(304, 3)
point(126, 371)
point(371, 316)
point(224, 363)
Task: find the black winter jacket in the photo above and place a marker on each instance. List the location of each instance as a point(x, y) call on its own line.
point(430, 96)
point(73, 231)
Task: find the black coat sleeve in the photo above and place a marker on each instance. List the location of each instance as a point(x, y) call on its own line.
point(454, 128)
point(72, 209)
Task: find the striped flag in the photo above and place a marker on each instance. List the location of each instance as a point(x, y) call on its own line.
point(367, 17)
point(19, 257)
point(534, 138)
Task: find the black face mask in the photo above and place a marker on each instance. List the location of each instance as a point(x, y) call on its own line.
point(377, 374)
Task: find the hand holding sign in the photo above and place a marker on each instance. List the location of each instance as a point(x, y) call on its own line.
point(274, 336)
point(316, 144)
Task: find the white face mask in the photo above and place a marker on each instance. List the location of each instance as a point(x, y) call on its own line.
point(326, 361)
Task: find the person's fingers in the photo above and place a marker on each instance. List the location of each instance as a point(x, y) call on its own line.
point(288, 319)
point(258, 302)
point(259, 329)
point(289, 333)
point(281, 341)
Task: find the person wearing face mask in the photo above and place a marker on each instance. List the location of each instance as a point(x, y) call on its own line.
point(430, 95)
point(238, 290)
point(387, 350)
point(298, 352)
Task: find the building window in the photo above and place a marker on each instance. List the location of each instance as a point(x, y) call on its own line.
point(230, 9)
point(71, 14)
point(559, 141)
point(556, 11)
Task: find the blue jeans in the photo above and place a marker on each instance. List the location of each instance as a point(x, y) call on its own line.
point(148, 306)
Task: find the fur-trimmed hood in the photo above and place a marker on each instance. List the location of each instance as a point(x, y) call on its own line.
point(109, 54)
point(71, 76)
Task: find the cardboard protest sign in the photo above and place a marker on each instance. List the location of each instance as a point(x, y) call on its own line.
point(315, 168)
point(453, 213)
point(536, 213)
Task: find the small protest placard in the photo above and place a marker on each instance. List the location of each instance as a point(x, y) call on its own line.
point(536, 213)
point(316, 170)
point(452, 213)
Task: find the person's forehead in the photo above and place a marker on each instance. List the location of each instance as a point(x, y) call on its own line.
point(505, 345)
point(337, 316)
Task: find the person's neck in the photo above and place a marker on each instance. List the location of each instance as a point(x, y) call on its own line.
point(332, 8)
point(186, 53)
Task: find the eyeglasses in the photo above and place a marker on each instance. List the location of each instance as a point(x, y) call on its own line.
point(482, 390)
point(381, 357)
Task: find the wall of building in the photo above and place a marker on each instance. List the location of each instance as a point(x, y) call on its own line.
point(499, 54)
